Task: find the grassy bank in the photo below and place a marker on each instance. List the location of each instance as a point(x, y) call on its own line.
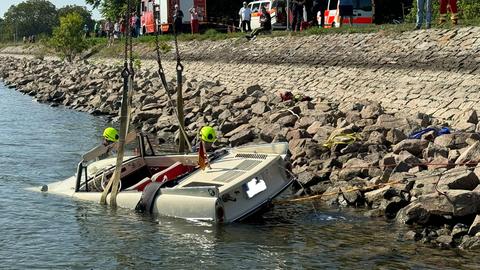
point(98, 46)
point(214, 35)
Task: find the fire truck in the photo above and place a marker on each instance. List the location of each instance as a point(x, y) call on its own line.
point(159, 13)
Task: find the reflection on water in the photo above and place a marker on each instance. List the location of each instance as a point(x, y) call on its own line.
point(39, 144)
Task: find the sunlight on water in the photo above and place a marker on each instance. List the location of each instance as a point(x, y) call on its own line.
point(40, 144)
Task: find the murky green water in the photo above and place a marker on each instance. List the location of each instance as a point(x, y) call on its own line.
point(40, 144)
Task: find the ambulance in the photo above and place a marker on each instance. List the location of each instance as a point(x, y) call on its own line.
point(277, 10)
point(363, 13)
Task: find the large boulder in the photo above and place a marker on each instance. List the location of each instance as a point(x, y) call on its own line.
point(297, 146)
point(259, 108)
point(354, 167)
point(471, 156)
point(287, 121)
point(372, 111)
point(456, 203)
point(425, 182)
point(470, 242)
point(459, 178)
point(242, 137)
point(269, 131)
point(238, 130)
point(433, 150)
point(475, 227)
point(386, 122)
point(414, 146)
point(314, 127)
point(375, 197)
point(457, 140)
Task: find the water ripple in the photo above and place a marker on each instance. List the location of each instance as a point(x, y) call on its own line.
point(40, 144)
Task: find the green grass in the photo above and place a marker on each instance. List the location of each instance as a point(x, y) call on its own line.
point(101, 50)
point(346, 29)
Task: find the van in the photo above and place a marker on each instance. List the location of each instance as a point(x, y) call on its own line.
point(363, 13)
point(277, 10)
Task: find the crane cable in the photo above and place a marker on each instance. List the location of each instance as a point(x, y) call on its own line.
point(163, 79)
point(128, 76)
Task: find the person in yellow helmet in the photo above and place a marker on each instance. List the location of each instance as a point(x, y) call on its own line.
point(110, 135)
point(208, 135)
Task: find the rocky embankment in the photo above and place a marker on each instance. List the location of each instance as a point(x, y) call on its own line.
point(356, 151)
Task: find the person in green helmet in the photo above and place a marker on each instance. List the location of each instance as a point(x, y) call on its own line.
point(110, 135)
point(208, 135)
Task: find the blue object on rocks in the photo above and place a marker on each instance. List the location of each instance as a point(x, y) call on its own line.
point(438, 132)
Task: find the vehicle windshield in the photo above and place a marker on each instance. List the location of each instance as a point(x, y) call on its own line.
point(255, 7)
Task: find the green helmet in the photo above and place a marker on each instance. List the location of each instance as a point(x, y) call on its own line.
point(208, 134)
point(110, 134)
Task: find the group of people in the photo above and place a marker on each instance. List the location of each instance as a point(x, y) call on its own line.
point(424, 11)
point(113, 30)
point(29, 39)
point(344, 11)
point(178, 20)
point(299, 15)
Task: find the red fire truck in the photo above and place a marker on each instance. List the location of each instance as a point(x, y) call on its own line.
point(160, 13)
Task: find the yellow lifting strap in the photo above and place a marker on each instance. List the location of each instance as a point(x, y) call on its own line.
point(347, 138)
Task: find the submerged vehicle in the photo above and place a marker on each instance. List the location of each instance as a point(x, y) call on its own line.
point(239, 182)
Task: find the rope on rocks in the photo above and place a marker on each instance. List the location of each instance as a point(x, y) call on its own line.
point(381, 185)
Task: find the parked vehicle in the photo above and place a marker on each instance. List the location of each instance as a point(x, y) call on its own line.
point(363, 13)
point(277, 10)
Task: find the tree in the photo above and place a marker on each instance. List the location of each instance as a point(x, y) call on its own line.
point(112, 9)
point(82, 11)
point(2, 30)
point(68, 38)
point(32, 17)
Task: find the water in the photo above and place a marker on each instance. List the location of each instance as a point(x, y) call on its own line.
point(40, 144)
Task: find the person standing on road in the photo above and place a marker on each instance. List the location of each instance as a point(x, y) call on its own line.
point(424, 9)
point(194, 20)
point(297, 9)
point(453, 10)
point(345, 7)
point(318, 12)
point(246, 17)
point(116, 30)
point(109, 31)
point(178, 19)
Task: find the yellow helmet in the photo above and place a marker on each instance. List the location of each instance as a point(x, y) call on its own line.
point(208, 134)
point(110, 134)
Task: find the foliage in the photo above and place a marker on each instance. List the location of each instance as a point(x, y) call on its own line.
point(470, 10)
point(82, 11)
point(69, 38)
point(32, 17)
point(137, 62)
point(112, 9)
